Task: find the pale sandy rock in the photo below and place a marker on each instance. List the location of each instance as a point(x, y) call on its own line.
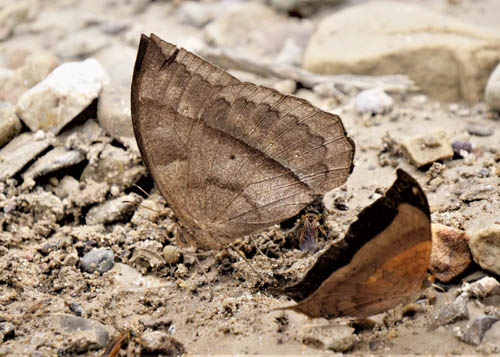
point(59, 98)
point(112, 210)
point(492, 94)
point(82, 43)
point(36, 67)
point(14, 14)
point(447, 58)
point(198, 13)
point(18, 152)
point(450, 252)
point(10, 125)
point(426, 149)
point(485, 248)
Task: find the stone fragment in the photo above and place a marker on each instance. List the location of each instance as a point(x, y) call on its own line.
point(82, 193)
point(479, 129)
point(459, 145)
point(374, 101)
point(476, 193)
point(56, 159)
point(59, 98)
point(82, 334)
point(81, 44)
point(10, 125)
point(157, 343)
point(450, 252)
point(115, 166)
point(18, 152)
point(484, 287)
point(98, 259)
point(426, 149)
point(172, 254)
point(450, 313)
point(36, 67)
point(369, 39)
point(485, 248)
point(474, 333)
point(492, 93)
point(338, 339)
point(146, 259)
point(13, 14)
point(112, 210)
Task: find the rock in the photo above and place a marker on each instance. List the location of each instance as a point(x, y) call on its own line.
point(115, 166)
point(369, 39)
point(474, 333)
point(196, 13)
point(158, 343)
point(450, 252)
point(171, 254)
point(82, 334)
point(459, 145)
point(484, 287)
point(146, 260)
point(426, 149)
point(127, 278)
point(18, 152)
point(59, 98)
point(81, 44)
point(450, 313)
point(10, 125)
point(36, 67)
point(492, 93)
point(56, 159)
point(98, 259)
point(286, 86)
point(112, 210)
point(374, 101)
point(82, 194)
point(339, 338)
point(485, 248)
point(12, 15)
point(479, 129)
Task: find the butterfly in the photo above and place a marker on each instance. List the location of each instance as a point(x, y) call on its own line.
point(229, 157)
point(385, 263)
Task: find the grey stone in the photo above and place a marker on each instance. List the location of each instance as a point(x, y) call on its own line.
point(374, 101)
point(18, 152)
point(492, 92)
point(56, 159)
point(83, 334)
point(59, 98)
point(80, 44)
point(112, 210)
point(196, 13)
point(474, 333)
point(476, 192)
point(479, 129)
point(98, 259)
point(426, 149)
point(10, 125)
point(450, 313)
point(485, 248)
point(369, 39)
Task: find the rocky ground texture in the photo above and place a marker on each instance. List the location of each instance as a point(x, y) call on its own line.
point(87, 257)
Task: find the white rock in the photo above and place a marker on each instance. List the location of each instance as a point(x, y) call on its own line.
point(55, 101)
point(492, 94)
point(448, 58)
point(374, 101)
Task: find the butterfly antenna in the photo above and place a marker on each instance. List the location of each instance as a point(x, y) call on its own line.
point(246, 260)
point(142, 190)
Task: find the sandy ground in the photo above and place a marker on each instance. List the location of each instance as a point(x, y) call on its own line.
point(230, 309)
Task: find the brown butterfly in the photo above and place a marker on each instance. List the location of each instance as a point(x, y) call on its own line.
point(385, 264)
point(229, 157)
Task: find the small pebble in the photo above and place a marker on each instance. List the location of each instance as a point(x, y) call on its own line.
point(459, 146)
point(171, 254)
point(478, 129)
point(474, 333)
point(98, 259)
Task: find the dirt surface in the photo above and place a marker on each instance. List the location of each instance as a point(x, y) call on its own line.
point(50, 306)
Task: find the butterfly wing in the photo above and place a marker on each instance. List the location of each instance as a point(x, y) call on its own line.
point(230, 157)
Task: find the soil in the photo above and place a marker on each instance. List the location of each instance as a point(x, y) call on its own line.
point(230, 308)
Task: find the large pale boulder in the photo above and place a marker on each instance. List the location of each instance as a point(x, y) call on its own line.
point(447, 58)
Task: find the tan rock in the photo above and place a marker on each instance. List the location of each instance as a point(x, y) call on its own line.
point(425, 149)
point(450, 252)
point(10, 125)
point(485, 248)
point(447, 58)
